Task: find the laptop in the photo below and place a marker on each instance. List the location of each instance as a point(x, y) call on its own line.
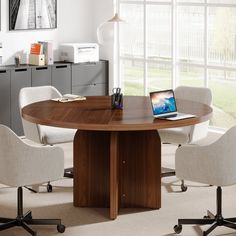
point(164, 106)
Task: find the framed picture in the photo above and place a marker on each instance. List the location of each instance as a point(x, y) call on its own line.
point(32, 14)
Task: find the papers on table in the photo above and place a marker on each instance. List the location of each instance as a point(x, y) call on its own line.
point(69, 98)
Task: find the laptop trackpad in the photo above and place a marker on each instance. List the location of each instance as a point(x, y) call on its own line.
point(180, 116)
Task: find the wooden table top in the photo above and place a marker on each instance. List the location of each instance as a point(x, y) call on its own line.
point(95, 113)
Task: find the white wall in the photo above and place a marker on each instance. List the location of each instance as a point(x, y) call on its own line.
point(103, 10)
point(74, 24)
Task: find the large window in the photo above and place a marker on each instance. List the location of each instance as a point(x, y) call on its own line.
point(166, 43)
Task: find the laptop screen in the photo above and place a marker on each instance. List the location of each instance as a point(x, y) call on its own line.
point(163, 102)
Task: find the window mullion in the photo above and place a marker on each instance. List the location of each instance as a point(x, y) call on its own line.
point(145, 47)
point(205, 44)
point(174, 43)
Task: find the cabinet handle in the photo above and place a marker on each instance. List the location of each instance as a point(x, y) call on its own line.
point(92, 85)
point(63, 66)
point(18, 70)
point(3, 71)
point(91, 63)
point(88, 63)
point(41, 68)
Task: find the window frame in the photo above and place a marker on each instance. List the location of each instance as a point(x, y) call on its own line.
point(173, 63)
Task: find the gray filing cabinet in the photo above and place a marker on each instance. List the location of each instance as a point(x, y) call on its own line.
point(5, 97)
point(61, 77)
point(41, 76)
point(85, 79)
point(20, 78)
point(90, 78)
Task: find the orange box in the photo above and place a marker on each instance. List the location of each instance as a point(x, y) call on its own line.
point(36, 48)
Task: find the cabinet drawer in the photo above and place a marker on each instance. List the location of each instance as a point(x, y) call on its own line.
point(61, 78)
point(20, 78)
point(90, 90)
point(5, 97)
point(41, 76)
point(90, 73)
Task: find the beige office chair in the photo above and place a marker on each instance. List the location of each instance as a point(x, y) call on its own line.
point(213, 164)
point(187, 134)
point(46, 135)
point(22, 164)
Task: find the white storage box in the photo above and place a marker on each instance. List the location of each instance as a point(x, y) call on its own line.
point(38, 60)
point(79, 52)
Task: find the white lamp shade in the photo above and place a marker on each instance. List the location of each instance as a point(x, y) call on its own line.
point(105, 32)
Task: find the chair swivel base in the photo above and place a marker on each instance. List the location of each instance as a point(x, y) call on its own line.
point(69, 173)
point(167, 172)
point(217, 221)
point(26, 219)
point(23, 220)
point(209, 219)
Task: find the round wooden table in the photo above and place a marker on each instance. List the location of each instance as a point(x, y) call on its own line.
point(117, 153)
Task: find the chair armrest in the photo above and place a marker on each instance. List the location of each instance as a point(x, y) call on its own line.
point(212, 164)
point(34, 164)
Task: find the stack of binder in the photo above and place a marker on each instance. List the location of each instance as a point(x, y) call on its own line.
point(41, 53)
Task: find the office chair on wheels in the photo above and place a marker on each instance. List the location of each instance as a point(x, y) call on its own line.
point(188, 134)
point(22, 164)
point(46, 135)
point(212, 164)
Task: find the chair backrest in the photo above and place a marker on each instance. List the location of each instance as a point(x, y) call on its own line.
point(196, 94)
point(30, 95)
point(222, 158)
point(8, 153)
point(25, 164)
point(213, 164)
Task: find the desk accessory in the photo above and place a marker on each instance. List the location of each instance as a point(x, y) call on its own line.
point(69, 98)
point(37, 60)
point(17, 60)
point(117, 99)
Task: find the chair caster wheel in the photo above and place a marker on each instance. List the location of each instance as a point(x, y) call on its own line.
point(49, 188)
point(61, 228)
point(184, 188)
point(178, 229)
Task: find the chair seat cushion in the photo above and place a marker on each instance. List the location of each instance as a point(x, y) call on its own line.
point(175, 135)
point(53, 135)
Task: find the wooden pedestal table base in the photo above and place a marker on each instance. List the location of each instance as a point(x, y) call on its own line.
point(117, 169)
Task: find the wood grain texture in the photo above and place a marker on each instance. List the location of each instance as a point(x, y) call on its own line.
point(117, 153)
point(140, 169)
point(95, 113)
point(117, 169)
point(114, 177)
point(91, 169)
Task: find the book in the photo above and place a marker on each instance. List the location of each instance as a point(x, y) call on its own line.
point(69, 98)
point(36, 49)
point(47, 51)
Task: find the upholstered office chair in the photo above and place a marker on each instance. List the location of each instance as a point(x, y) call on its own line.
point(187, 134)
point(213, 164)
point(43, 134)
point(22, 164)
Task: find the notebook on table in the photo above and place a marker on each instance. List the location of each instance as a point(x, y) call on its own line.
point(164, 106)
